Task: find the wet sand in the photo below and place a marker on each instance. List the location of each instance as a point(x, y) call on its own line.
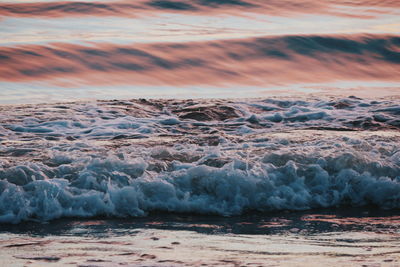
point(357, 237)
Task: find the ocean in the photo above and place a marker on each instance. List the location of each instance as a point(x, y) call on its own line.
point(73, 50)
point(199, 133)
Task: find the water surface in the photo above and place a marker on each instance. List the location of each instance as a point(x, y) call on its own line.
point(69, 50)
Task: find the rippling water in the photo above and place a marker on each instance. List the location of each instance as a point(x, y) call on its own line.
point(63, 50)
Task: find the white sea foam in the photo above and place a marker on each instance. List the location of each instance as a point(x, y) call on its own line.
point(111, 159)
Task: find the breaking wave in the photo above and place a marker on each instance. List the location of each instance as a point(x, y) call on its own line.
point(207, 157)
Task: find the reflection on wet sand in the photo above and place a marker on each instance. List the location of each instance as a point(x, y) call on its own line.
point(280, 239)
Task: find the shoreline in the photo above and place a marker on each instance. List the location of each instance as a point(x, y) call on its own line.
point(334, 236)
point(313, 221)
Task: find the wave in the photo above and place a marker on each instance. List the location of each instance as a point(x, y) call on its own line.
point(279, 180)
point(368, 9)
point(252, 61)
point(129, 158)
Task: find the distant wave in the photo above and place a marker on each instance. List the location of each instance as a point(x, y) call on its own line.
point(200, 7)
point(258, 61)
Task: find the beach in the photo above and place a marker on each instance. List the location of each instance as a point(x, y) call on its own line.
point(341, 237)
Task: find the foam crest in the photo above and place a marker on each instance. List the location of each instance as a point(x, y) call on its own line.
point(226, 180)
point(129, 158)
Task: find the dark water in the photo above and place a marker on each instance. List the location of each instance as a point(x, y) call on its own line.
point(311, 222)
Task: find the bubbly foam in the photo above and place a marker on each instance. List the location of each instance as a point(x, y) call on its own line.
point(131, 158)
